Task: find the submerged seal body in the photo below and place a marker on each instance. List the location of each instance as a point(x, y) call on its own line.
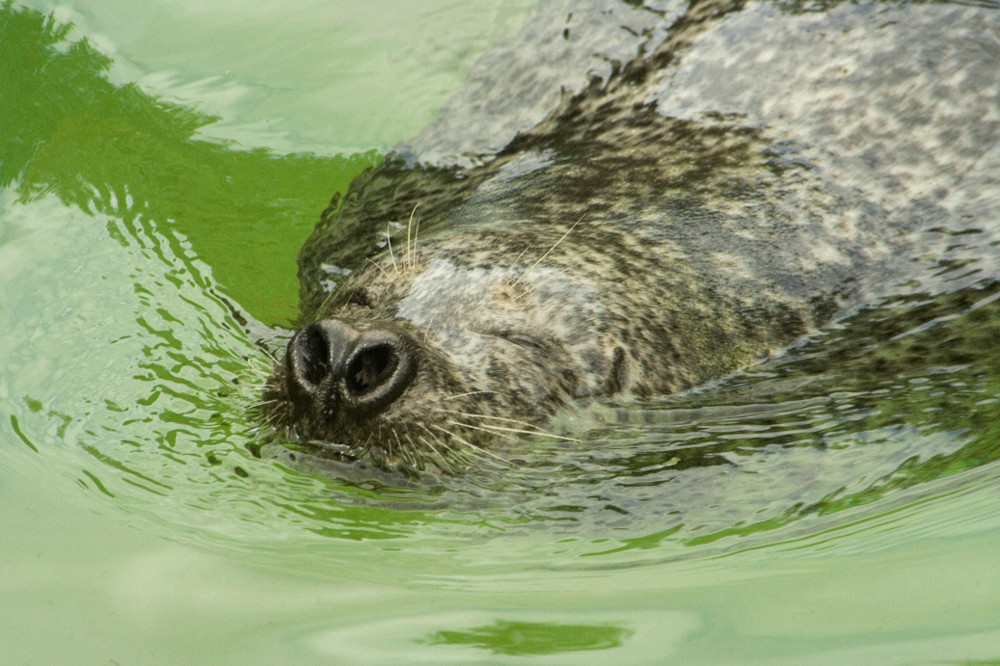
point(643, 199)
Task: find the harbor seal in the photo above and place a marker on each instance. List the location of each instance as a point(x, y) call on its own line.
point(723, 178)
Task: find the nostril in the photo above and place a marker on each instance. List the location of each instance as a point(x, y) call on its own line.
point(370, 368)
point(312, 355)
point(377, 372)
point(315, 355)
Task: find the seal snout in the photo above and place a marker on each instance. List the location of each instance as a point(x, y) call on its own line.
point(334, 368)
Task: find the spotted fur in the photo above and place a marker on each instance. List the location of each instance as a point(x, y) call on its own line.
point(748, 172)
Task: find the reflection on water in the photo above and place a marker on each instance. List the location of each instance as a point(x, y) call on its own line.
point(151, 165)
point(527, 638)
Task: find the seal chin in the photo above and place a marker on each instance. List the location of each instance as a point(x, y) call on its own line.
point(335, 371)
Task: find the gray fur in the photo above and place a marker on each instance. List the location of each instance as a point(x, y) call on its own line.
point(715, 182)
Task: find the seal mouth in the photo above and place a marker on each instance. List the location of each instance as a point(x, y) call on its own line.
point(342, 462)
point(341, 453)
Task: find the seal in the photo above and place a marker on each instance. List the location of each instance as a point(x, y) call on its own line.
point(722, 179)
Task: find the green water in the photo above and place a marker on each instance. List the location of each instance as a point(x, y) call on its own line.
point(160, 165)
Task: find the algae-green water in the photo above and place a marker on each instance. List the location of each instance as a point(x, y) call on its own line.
point(160, 165)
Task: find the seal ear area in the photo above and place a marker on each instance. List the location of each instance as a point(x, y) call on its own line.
point(333, 368)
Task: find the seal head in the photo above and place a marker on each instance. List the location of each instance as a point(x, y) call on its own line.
point(436, 355)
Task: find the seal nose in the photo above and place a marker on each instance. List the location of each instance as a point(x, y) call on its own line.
point(362, 372)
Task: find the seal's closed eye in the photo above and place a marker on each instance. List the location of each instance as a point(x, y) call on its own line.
point(522, 339)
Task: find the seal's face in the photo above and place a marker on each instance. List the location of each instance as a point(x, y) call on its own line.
point(434, 356)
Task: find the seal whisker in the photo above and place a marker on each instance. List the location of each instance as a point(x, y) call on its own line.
point(463, 456)
point(529, 427)
point(471, 451)
point(465, 395)
point(448, 462)
point(256, 365)
point(534, 429)
point(427, 328)
point(495, 418)
point(408, 454)
point(425, 443)
point(470, 426)
point(263, 403)
point(378, 437)
point(516, 259)
point(411, 249)
point(378, 267)
point(486, 427)
point(471, 455)
point(271, 356)
point(444, 444)
point(478, 449)
point(442, 461)
point(402, 449)
point(388, 240)
point(269, 419)
point(547, 253)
